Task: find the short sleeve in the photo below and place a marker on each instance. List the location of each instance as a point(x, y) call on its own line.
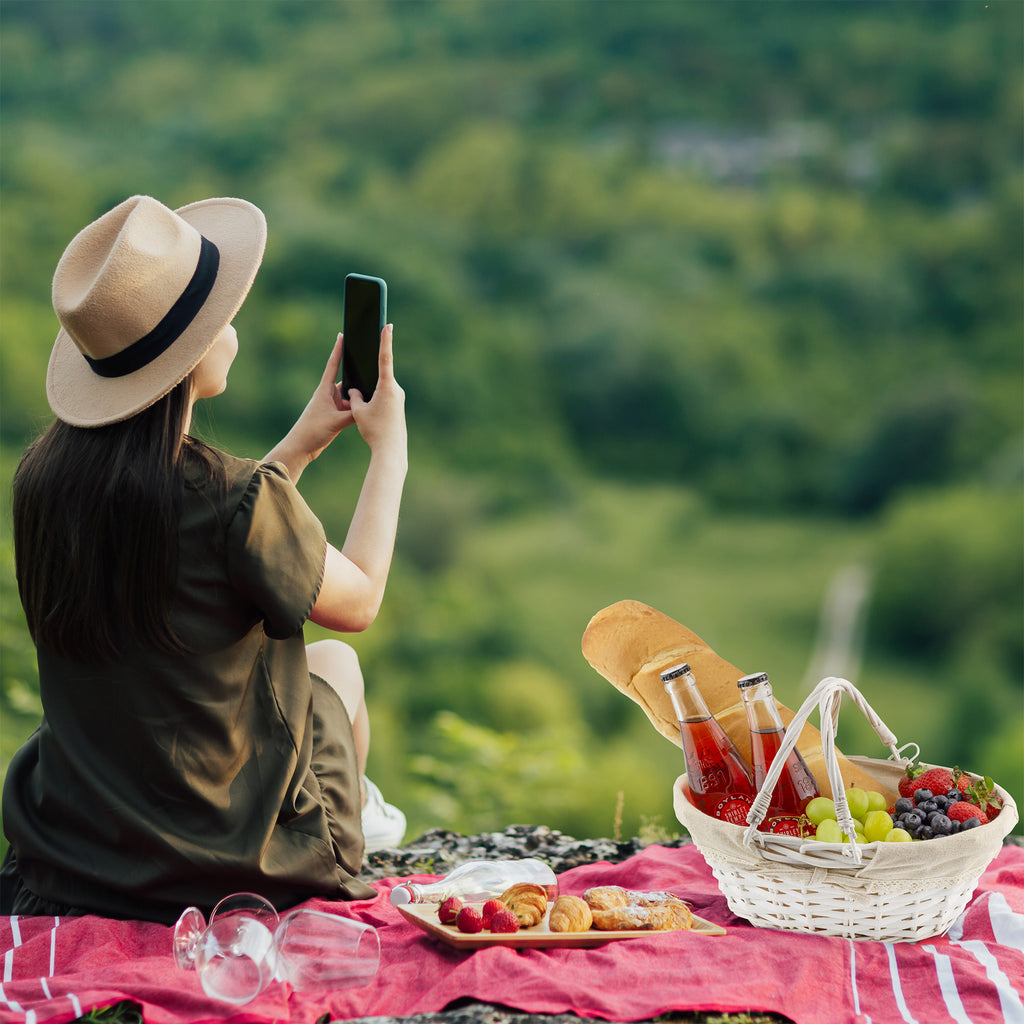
point(275, 551)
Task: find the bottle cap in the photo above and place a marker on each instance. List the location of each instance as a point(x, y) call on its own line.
point(752, 680)
point(400, 895)
point(674, 673)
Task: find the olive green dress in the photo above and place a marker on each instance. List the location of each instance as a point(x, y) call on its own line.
point(168, 780)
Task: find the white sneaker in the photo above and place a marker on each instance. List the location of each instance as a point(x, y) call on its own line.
point(383, 824)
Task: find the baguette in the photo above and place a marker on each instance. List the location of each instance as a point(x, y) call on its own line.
point(631, 644)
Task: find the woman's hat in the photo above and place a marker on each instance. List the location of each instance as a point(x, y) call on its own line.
point(141, 295)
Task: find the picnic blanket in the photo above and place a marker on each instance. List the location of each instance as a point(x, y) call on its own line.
point(56, 969)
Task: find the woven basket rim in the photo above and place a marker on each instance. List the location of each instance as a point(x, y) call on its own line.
point(784, 842)
point(792, 851)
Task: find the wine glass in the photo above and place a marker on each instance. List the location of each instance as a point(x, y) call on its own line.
point(246, 946)
point(325, 951)
point(235, 955)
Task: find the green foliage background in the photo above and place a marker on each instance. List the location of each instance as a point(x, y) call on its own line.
point(698, 303)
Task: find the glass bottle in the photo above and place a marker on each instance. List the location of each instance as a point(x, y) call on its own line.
point(796, 785)
point(720, 781)
point(478, 880)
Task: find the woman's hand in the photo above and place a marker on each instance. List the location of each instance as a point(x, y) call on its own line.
point(381, 421)
point(326, 415)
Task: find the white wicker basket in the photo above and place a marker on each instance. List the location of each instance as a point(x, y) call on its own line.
point(899, 892)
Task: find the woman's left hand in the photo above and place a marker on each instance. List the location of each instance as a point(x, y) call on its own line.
point(326, 415)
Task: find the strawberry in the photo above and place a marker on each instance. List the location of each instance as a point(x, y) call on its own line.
point(469, 920)
point(917, 776)
point(938, 780)
point(504, 922)
point(449, 910)
point(982, 792)
point(489, 909)
point(962, 810)
point(907, 785)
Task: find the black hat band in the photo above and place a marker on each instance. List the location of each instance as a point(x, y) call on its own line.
point(142, 352)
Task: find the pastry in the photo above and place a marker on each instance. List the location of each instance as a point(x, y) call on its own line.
point(606, 897)
point(631, 644)
point(570, 914)
point(527, 901)
point(635, 918)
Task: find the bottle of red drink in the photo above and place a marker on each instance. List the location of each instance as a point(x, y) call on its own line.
point(720, 781)
point(796, 785)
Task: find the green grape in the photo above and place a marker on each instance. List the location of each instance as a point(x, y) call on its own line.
point(898, 835)
point(858, 801)
point(820, 809)
point(828, 831)
point(876, 801)
point(877, 825)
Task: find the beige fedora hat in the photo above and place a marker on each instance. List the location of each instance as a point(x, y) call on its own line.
point(141, 295)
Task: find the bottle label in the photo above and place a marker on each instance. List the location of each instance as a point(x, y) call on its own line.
point(734, 808)
point(783, 824)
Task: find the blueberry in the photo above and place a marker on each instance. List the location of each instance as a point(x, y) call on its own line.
point(941, 802)
point(926, 832)
point(941, 825)
point(903, 805)
point(927, 806)
point(954, 827)
point(954, 795)
point(922, 794)
point(969, 823)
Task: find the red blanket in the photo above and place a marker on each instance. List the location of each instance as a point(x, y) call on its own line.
point(58, 969)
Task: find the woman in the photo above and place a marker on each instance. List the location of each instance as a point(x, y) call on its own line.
point(191, 744)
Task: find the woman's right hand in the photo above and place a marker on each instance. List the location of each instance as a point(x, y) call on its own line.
point(381, 421)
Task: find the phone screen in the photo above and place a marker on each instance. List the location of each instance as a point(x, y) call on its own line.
point(365, 315)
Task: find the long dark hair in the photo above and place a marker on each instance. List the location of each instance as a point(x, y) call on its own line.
point(96, 514)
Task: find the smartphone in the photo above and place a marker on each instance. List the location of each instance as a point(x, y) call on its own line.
point(366, 310)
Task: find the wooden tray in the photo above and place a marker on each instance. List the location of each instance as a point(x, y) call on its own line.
point(424, 915)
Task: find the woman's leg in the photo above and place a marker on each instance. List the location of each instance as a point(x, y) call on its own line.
point(338, 665)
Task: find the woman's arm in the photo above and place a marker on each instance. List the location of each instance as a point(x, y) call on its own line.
point(355, 576)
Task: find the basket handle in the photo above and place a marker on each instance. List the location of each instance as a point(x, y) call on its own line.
point(828, 695)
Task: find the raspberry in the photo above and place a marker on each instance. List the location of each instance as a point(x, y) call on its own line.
point(489, 909)
point(504, 922)
point(469, 920)
point(449, 910)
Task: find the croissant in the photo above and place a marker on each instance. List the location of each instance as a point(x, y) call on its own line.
point(570, 914)
point(527, 901)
